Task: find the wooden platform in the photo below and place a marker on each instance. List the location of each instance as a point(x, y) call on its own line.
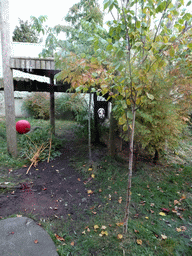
point(38, 66)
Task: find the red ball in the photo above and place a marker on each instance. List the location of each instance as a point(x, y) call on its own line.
point(23, 126)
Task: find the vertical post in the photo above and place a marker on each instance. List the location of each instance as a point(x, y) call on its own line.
point(8, 78)
point(52, 104)
point(96, 128)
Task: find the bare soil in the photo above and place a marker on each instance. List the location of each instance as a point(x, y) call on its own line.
point(51, 189)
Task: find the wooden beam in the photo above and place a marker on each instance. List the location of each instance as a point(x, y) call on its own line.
point(8, 78)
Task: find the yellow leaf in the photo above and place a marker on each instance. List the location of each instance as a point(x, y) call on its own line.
point(163, 237)
point(162, 214)
point(93, 176)
point(139, 241)
point(178, 229)
point(89, 191)
point(119, 236)
point(90, 169)
point(119, 224)
point(104, 233)
point(96, 227)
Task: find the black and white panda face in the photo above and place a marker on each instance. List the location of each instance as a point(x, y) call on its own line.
point(101, 113)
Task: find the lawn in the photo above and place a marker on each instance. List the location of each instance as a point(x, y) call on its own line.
point(161, 208)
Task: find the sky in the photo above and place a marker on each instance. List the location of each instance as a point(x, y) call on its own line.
point(55, 10)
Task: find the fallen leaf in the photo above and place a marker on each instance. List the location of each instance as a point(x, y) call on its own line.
point(120, 200)
point(165, 210)
point(36, 241)
point(183, 228)
point(90, 169)
point(136, 231)
point(176, 202)
point(19, 215)
point(152, 204)
point(139, 241)
point(94, 212)
point(100, 190)
point(103, 227)
point(72, 243)
point(79, 179)
point(83, 233)
point(183, 197)
point(119, 224)
point(59, 238)
point(104, 233)
point(178, 229)
point(146, 217)
point(96, 227)
point(88, 230)
point(44, 188)
point(151, 211)
point(89, 191)
point(120, 236)
point(162, 214)
point(163, 237)
point(93, 176)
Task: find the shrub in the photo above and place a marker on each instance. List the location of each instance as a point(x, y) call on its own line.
point(71, 106)
point(37, 105)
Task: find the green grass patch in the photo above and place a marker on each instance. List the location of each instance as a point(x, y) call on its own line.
point(160, 214)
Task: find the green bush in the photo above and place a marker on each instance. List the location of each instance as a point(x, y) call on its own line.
point(70, 106)
point(37, 105)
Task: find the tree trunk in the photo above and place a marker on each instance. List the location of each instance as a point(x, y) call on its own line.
point(89, 129)
point(128, 200)
point(112, 127)
point(8, 78)
point(52, 105)
point(96, 128)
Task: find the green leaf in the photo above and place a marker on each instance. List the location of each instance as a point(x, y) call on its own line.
point(189, 3)
point(138, 24)
point(122, 120)
point(189, 45)
point(172, 52)
point(150, 96)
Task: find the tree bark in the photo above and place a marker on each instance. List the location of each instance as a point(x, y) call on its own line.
point(112, 127)
point(128, 200)
point(52, 105)
point(89, 129)
point(8, 78)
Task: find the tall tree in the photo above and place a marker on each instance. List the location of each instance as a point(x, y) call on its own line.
point(8, 78)
point(25, 33)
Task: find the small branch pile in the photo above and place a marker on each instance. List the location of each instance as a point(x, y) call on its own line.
point(36, 152)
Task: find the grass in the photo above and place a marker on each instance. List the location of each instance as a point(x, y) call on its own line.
point(162, 232)
point(160, 216)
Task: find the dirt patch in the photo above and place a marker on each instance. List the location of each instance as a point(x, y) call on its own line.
point(51, 189)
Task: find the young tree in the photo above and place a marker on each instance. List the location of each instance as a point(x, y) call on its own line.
point(25, 33)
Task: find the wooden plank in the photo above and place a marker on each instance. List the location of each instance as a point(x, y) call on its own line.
point(48, 65)
point(42, 64)
point(8, 79)
point(38, 64)
point(17, 63)
point(32, 64)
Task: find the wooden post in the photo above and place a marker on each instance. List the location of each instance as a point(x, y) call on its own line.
point(8, 78)
point(52, 104)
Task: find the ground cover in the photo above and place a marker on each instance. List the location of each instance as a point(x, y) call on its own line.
point(82, 208)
